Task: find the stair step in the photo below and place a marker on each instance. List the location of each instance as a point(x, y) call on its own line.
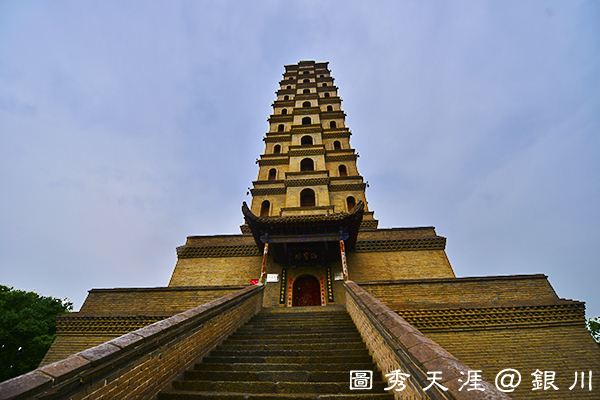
point(288, 359)
point(283, 354)
point(288, 324)
point(171, 394)
point(321, 367)
point(294, 331)
point(257, 345)
point(299, 327)
point(235, 340)
point(313, 310)
point(270, 376)
point(325, 317)
point(308, 318)
point(288, 352)
point(322, 322)
point(298, 336)
point(340, 314)
point(270, 387)
point(282, 322)
point(226, 352)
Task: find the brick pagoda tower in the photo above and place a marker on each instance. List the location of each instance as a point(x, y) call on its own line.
point(309, 197)
point(308, 147)
point(311, 271)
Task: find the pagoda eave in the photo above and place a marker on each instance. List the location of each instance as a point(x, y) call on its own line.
point(305, 228)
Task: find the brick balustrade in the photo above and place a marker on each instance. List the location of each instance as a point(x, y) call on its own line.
point(397, 345)
point(139, 364)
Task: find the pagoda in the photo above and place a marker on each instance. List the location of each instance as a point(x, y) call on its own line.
point(310, 245)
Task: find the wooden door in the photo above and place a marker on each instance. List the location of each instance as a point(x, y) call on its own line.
point(306, 291)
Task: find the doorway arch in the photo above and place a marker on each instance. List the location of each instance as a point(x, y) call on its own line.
point(306, 291)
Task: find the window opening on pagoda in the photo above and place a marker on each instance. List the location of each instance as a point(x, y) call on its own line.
point(329, 108)
point(337, 145)
point(286, 97)
point(272, 174)
point(284, 111)
point(306, 91)
point(306, 104)
point(324, 84)
point(332, 124)
point(307, 164)
point(307, 198)
point(342, 170)
point(264, 208)
point(326, 94)
point(305, 73)
point(277, 149)
point(350, 203)
point(306, 81)
point(280, 127)
point(306, 121)
point(306, 140)
point(288, 87)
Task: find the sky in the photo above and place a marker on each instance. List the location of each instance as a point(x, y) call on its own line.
point(127, 126)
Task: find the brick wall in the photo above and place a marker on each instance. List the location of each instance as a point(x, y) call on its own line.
point(215, 271)
point(65, 345)
point(395, 344)
point(149, 301)
point(478, 291)
point(109, 313)
point(563, 349)
point(492, 323)
point(383, 354)
point(390, 254)
point(139, 364)
point(392, 265)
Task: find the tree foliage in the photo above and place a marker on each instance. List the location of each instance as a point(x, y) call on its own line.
point(593, 325)
point(27, 328)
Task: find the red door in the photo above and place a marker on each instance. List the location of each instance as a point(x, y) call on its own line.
point(306, 292)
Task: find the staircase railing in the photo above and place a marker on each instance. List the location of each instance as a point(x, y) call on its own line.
point(398, 346)
point(139, 364)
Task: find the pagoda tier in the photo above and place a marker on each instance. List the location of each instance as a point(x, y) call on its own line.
point(308, 166)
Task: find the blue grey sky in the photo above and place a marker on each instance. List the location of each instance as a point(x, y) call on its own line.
point(126, 126)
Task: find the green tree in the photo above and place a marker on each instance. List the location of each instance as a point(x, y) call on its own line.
point(27, 328)
point(593, 325)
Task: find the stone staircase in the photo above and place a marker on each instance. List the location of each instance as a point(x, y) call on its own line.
point(291, 353)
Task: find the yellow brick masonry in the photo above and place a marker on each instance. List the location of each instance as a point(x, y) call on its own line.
point(396, 345)
point(552, 340)
point(224, 268)
point(472, 291)
point(215, 271)
point(563, 349)
point(392, 265)
point(119, 304)
point(65, 345)
point(149, 301)
point(160, 367)
point(382, 353)
point(139, 364)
